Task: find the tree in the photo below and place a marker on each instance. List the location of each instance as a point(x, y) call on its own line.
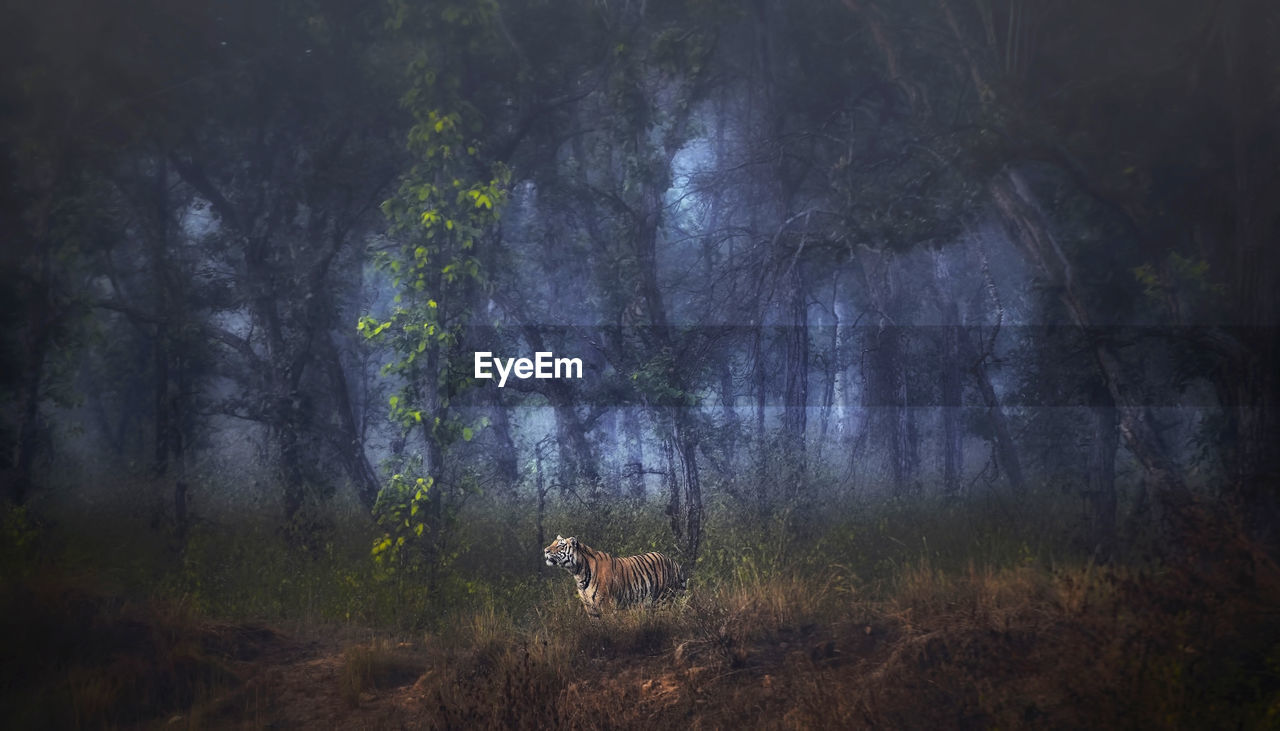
point(443, 215)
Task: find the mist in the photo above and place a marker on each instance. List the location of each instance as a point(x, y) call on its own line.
point(846, 294)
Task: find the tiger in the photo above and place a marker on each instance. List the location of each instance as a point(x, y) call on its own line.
point(604, 580)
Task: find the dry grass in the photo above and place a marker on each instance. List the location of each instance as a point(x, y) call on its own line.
point(1085, 646)
point(1191, 641)
point(378, 665)
point(1014, 647)
point(77, 658)
point(1187, 645)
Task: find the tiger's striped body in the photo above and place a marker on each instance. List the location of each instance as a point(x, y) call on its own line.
point(604, 580)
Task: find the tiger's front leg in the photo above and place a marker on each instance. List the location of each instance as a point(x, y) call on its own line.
point(592, 608)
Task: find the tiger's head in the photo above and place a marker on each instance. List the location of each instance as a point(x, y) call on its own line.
point(563, 552)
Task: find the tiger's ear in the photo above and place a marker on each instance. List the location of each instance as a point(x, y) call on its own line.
point(573, 541)
point(559, 537)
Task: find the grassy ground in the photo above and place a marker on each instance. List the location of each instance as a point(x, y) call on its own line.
point(901, 615)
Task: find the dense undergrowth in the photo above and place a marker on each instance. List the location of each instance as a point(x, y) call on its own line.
point(910, 614)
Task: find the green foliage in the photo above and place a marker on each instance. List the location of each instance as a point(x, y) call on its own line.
point(19, 540)
point(413, 515)
point(443, 217)
point(659, 380)
point(1180, 282)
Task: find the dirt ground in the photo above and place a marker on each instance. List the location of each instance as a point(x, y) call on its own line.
point(305, 683)
point(75, 659)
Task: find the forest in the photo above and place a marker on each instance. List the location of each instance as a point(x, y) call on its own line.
point(932, 338)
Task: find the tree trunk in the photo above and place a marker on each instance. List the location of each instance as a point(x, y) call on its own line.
point(634, 438)
point(1102, 470)
point(885, 395)
point(578, 461)
point(1006, 451)
point(41, 317)
point(359, 470)
point(833, 399)
point(171, 387)
point(761, 437)
point(293, 486)
point(1251, 404)
point(28, 441)
point(672, 510)
point(1253, 407)
point(886, 390)
point(796, 388)
point(1029, 230)
point(693, 492)
point(507, 460)
point(682, 417)
point(952, 449)
point(540, 487)
point(577, 458)
point(160, 465)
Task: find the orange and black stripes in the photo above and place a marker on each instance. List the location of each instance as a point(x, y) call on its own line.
point(603, 579)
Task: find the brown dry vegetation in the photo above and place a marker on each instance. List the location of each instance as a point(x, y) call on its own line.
point(1014, 648)
point(1191, 645)
point(844, 627)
